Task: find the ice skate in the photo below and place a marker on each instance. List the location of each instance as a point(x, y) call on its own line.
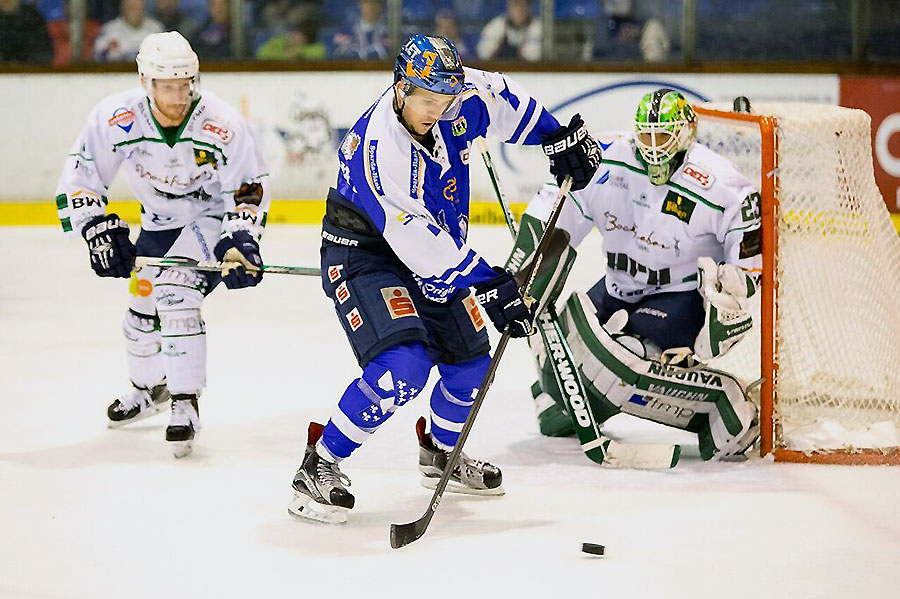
point(477, 478)
point(137, 404)
point(185, 424)
point(320, 492)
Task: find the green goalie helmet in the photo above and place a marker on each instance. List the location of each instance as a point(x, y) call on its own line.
point(665, 126)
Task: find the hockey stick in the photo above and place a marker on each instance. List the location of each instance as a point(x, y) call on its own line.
point(596, 446)
point(142, 261)
point(404, 534)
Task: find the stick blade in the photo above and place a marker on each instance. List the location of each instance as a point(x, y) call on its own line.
point(404, 534)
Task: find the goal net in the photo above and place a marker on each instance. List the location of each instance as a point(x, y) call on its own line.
point(827, 340)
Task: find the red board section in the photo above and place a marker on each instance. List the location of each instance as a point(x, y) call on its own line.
point(880, 97)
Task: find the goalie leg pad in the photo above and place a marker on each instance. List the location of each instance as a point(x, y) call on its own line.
point(179, 295)
point(708, 402)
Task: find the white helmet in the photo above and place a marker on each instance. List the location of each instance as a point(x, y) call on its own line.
point(167, 56)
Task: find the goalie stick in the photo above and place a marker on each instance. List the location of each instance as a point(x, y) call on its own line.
point(596, 446)
point(404, 534)
point(142, 261)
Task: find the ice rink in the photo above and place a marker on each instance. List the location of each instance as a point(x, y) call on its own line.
point(91, 512)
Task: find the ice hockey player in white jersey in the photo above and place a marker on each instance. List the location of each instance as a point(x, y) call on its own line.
point(681, 236)
point(192, 162)
point(396, 263)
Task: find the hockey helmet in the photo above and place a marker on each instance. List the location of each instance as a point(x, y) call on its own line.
point(431, 63)
point(168, 56)
point(664, 126)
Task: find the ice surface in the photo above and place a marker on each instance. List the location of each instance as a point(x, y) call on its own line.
point(91, 512)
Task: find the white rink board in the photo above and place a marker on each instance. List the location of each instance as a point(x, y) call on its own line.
point(87, 512)
point(299, 118)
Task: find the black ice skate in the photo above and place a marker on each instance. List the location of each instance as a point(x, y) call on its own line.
point(137, 404)
point(319, 486)
point(185, 424)
point(477, 478)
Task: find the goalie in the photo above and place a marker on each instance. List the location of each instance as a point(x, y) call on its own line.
point(681, 234)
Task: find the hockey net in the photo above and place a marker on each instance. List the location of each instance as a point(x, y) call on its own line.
point(827, 340)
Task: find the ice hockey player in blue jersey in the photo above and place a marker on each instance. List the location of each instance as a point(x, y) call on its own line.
point(396, 263)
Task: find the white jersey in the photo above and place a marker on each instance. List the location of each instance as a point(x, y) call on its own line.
point(192, 173)
point(653, 234)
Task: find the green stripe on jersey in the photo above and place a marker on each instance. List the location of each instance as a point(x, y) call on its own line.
point(62, 202)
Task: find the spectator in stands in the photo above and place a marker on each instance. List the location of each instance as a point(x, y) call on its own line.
point(626, 36)
point(172, 18)
point(301, 42)
point(446, 25)
point(514, 35)
point(23, 34)
point(120, 39)
point(213, 41)
point(61, 36)
point(367, 36)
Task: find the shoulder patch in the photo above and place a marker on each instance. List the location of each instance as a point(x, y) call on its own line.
point(122, 118)
point(216, 130)
point(349, 145)
point(701, 176)
point(458, 126)
point(678, 206)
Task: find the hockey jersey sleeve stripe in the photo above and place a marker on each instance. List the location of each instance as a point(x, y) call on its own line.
point(526, 120)
point(462, 269)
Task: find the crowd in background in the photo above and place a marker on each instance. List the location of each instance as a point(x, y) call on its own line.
point(39, 31)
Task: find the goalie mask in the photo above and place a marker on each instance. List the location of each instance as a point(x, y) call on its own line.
point(664, 127)
point(170, 73)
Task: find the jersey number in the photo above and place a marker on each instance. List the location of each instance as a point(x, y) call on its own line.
point(750, 209)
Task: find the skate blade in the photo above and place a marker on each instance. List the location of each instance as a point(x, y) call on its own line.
point(181, 449)
point(305, 507)
point(455, 487)
point(151, 411)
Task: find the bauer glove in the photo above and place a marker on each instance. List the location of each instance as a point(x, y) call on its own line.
point(239, 251)
point(504, 305)
point(111, 251)
point(572, 151)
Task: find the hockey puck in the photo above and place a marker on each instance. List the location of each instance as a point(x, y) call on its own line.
point(593, 548)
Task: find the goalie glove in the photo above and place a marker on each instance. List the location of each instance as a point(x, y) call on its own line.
point(725, 289)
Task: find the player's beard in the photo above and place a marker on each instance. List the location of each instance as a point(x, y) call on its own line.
point(171, 113)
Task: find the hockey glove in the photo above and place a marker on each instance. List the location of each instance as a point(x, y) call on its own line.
point(239, 251)
point(112, 253)
point(504, 305)
point(572, 151)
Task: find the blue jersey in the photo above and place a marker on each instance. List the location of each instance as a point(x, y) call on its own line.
point(419, 198)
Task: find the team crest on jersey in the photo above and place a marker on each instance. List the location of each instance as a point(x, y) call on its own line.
point(217, 130)
point(703, 178)
point(202, 157)
point(355, 319)
point(458, 127)
point(123, 119)
point(349, 145)
point(678, 206)
point(334, 272)
point(398, 302)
